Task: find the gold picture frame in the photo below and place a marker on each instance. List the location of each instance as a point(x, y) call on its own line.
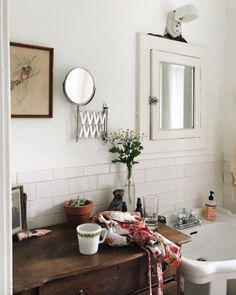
point(31, 81)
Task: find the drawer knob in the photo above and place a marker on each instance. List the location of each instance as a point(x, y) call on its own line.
point(79, 292)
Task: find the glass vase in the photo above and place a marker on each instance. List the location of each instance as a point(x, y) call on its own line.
point(129, 191)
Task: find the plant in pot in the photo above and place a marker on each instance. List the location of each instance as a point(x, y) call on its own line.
point(78, 211)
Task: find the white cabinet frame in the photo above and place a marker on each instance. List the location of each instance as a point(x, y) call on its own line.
point(151, 49)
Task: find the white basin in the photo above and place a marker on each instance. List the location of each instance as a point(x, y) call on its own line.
point(214, 243)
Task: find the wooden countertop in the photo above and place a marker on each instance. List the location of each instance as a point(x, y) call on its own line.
point(55, 256)
point(173, 235)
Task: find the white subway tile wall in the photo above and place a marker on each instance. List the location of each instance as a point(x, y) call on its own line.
point(82, 184)
point(180, 182)
point(229, 189)
point(96, 169)
point(67, 172)
point(34, 176)
point(30, 188)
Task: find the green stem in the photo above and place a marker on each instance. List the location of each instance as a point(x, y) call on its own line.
point(129, 172)
point(129, 182)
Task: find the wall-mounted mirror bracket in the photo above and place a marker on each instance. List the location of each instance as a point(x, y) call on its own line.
point(79, 89)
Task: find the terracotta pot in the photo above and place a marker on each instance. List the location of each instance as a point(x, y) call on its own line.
point(78, 215)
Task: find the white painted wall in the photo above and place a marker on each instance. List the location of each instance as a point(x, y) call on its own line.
point(101, 36)
point(229, 106)
point(229, 101)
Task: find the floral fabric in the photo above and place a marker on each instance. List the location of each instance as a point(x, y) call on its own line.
point(125, 228)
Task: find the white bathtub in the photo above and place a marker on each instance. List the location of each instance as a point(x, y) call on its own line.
point(215, 245)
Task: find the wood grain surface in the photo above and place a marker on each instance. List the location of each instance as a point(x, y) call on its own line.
point(44, 261)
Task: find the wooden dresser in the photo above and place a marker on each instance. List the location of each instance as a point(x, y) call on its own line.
point(52, 265)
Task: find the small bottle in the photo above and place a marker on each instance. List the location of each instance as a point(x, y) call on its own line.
point(139, 207)
point(210, 208)
point(124, 207)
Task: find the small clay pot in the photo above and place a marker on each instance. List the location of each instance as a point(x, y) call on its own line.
point(78, 215)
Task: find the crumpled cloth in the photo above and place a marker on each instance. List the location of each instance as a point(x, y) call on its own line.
point(23, 235)
point(125, 228)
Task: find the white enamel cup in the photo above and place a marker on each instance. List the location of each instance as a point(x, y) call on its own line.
point(89, 235)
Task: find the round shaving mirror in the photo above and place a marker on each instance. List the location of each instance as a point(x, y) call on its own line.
point(79, 88)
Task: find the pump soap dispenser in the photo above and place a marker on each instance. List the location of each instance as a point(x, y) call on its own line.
point(210, 208)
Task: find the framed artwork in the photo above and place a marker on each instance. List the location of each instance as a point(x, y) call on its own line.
point(18, 210)
point(31, 81)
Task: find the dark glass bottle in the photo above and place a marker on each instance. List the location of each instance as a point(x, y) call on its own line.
point(124, 207)
point(139, 207)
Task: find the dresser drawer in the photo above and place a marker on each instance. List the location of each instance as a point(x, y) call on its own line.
point(169, 288)
point(28, 292)
point(122, 279)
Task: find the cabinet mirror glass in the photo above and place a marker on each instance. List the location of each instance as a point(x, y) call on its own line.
point(176, 96)
point(175, 82)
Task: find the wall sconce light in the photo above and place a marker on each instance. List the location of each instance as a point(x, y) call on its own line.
point(178, 16)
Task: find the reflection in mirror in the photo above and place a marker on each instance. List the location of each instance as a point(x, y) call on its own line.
point(79, 86)
point(176, 96)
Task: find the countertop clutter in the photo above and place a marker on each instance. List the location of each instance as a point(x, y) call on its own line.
point(52, 265)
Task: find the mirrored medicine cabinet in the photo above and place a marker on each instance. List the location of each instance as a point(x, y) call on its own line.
point(171, 94)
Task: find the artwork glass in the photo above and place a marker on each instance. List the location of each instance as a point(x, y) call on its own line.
point(31, 80)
